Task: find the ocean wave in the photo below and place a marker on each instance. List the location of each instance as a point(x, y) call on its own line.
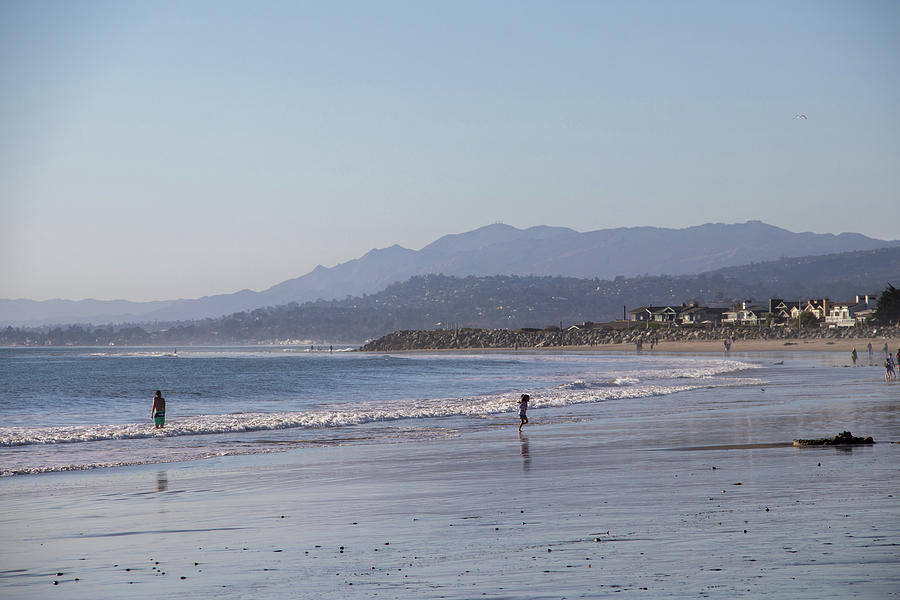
point(581, 384)
point(133, 354)
point(87, 466)
point(348, 415)
point(675, 371)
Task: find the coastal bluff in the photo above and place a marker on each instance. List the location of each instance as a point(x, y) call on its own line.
point(614, 334)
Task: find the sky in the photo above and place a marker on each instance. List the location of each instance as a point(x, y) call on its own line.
point(159, 150)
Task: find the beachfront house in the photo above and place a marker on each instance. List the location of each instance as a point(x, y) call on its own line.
point(851, 313)
point(753, 315)
point(782, 311)
point(839, 315)
point(644, 313)
point(817, 308)
point(746, 313)
point(695, 315)
point(652, 313)
point(666, 314)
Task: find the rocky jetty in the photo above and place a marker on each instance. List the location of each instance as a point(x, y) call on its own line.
point(842, 439)
point(598, 335)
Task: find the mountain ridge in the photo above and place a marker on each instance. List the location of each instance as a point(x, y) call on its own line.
point(497, 302)
point(489, 250)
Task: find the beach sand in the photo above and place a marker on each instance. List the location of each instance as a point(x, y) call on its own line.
point(768, 346)
point(818, 345)
point(709, 503)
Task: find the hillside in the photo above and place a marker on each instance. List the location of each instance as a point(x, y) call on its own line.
point(439, 301)
point(487, 251)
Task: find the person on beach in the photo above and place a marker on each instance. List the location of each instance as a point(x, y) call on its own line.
point(523, 410)
point(869, 348)
point(889, 368)
point(158, 411)
point(853, 356)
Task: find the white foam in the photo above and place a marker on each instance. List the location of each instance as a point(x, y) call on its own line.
point(625, 386)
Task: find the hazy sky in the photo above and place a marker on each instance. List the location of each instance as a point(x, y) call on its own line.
point(156, 150)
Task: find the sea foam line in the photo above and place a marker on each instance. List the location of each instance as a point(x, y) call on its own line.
point(350, 415)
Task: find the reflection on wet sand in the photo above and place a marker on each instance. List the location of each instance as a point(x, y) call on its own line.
point(526, 455)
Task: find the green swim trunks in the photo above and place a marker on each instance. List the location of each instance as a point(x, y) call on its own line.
point(159, 419)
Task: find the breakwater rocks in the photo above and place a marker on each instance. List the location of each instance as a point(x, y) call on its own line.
point(446, 339)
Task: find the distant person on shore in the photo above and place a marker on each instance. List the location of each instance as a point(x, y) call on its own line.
point(158, 411)
point(523, 410)
point(869, 348)
point(889, 368)
point(853, 356)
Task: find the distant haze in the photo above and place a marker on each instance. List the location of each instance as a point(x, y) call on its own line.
point(152, 150)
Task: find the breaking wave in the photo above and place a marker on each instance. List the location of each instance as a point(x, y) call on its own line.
point(629, 385)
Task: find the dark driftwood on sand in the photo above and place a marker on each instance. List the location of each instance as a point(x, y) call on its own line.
point(841, 439)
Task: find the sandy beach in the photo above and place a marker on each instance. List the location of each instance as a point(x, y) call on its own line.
point(802, 345)
point(713, 502)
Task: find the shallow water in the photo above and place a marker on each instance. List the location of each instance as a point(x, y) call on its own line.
point(67, 409)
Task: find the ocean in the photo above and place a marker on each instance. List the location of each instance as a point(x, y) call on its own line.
point(84, 408)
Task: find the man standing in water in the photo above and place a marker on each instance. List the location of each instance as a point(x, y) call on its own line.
point(158, 411)
point(523, 410)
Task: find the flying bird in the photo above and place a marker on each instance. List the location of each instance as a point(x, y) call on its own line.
point(799, 116)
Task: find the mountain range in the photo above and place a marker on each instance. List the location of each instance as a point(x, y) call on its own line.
point(492, 250)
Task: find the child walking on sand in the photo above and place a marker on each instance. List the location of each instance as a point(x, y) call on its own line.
point(523, 410)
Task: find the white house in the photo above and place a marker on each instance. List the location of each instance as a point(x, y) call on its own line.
point(850, 314)
point(745, 313)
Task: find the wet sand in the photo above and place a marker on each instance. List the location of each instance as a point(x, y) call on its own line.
point(711, 502)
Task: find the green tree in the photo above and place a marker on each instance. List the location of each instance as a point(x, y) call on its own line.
point(808, 320)
point(888, 308)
